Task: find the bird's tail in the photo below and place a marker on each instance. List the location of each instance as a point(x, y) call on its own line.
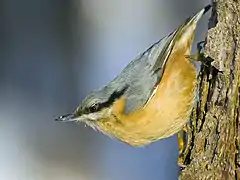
point(182, 36)
point(185, 33)
point(197, 17)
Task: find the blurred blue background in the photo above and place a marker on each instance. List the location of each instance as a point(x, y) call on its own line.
point(52, 53)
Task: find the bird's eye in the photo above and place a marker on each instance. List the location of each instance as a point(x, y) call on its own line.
point(93, 108)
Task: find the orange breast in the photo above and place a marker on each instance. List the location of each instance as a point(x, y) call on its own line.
point(165, 113)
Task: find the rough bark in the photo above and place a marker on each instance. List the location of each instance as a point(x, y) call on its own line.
point(214, 146)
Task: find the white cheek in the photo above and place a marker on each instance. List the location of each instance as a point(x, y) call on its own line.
point(97, 115)
point(92, 116)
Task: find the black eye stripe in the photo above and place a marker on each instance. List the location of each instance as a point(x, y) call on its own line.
point(98, 106)
point(115, 95)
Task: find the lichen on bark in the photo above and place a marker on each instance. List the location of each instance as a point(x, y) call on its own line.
point(214, 149)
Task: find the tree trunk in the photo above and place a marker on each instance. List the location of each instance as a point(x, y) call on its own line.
point(215, 130)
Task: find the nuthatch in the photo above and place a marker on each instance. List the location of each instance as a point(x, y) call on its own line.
point(152, 97)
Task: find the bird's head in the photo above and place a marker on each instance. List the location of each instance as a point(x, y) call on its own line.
point(97, 106)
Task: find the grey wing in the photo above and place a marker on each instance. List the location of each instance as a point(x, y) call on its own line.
point(144, 72)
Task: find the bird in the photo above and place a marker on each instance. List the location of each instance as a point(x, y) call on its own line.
point(152, 98)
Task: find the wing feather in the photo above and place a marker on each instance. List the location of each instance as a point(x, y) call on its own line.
point(144, 72)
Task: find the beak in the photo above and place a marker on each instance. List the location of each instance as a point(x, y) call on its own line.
point(66, 118)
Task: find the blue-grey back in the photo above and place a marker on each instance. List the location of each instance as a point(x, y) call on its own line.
point(141, 75)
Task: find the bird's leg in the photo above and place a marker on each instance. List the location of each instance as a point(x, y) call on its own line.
point(199, 56)
point(184, 142)
point(199, 53)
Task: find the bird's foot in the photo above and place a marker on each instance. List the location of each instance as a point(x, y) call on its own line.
point(199, 56)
